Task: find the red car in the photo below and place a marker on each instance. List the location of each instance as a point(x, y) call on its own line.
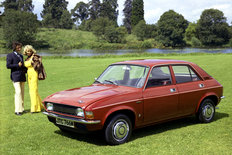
point(134, 94)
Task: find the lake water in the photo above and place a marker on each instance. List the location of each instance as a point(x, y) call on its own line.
point(85, 53)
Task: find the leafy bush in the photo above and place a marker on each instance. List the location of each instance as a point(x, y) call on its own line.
point(115, 35)
point(146, 44)
point(195, 42)
point(151, 43)
point(86, 25)
point(230, 42)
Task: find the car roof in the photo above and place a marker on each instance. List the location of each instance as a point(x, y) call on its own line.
point(153, 62)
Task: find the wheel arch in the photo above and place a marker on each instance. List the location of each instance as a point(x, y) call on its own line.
point(128, 112)
point(211, 96)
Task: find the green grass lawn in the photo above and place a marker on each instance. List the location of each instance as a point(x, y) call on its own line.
point(34, 134)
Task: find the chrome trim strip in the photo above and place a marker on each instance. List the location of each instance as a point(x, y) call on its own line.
point(72, 119)
point(222, 97)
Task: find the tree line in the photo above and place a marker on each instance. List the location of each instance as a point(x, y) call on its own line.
point(100, 17)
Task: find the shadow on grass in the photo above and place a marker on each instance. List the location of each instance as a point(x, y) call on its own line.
point(171, 125)
point(219, 116)
point(97, 138)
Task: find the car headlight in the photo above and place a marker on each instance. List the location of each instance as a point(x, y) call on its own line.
point(49, 106)
point(80, 112)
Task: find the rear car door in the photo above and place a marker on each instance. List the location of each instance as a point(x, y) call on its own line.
point(190, 87)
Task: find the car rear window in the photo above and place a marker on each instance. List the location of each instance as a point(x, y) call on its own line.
point(184, 74)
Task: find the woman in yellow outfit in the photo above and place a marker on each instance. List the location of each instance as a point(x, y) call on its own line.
point(36, 103)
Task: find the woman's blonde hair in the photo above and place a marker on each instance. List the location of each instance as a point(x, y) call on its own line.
point(28, 48)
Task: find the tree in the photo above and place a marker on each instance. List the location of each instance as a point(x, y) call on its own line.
point(10, 4)
point(105, 29)
point(190, 35)
point(86, 25)
point(137, 12)
point(171, 29)
point(19, 26)
point(1, 18)
point(80, 12)
point(109, 9)
point(151, 31)
point(20, 5)
point(99, 26)
point(145, 31)
point(212, 29)
point(94, 9)
point(190, 32)
point(65, 21)
point(52, 14)
point(140, 30)
point(127, 14)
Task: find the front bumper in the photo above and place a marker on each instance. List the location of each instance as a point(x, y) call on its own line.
point(77, 120)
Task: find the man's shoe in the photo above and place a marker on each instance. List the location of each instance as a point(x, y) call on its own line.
point(18, 113)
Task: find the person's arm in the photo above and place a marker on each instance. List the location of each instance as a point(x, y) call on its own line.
point(9, 63)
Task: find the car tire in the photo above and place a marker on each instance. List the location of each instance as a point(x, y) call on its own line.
point(206, 111)
point(118, 130)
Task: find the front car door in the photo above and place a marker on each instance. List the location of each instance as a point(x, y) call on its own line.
point(160, 96)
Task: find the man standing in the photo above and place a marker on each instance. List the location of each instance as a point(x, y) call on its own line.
point(15, 62)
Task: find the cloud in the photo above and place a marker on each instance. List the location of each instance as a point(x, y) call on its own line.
point(152, 16)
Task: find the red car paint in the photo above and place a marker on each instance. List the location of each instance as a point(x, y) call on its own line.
point(144, 105)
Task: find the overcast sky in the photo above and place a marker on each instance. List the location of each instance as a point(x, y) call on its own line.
point(190, 9)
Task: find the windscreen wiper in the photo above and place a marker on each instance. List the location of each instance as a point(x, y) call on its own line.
point(112, 82)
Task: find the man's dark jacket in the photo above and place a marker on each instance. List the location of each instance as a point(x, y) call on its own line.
point(17, 73)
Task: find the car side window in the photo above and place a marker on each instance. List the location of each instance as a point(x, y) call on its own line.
point(159, 76)
point(184, 73)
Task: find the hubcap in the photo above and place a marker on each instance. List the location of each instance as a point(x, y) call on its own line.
point(208, 111)
point(120, 129)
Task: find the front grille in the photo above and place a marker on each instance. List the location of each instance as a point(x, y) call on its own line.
point(65, 109)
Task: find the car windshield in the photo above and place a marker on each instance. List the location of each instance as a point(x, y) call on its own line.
point(124, 75)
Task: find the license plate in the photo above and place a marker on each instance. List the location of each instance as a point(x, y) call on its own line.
point(65, 122)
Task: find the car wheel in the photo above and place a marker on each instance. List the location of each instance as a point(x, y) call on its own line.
point(206, 111)
point(118, 130)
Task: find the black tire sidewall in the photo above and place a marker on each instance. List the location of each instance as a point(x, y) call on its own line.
point(109, 137)
point(201, 118)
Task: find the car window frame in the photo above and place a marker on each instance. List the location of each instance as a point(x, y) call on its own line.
point(171, 76)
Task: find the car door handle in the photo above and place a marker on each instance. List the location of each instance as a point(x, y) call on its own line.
point(172, 90)
point(138, 102)
point(201, 85)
